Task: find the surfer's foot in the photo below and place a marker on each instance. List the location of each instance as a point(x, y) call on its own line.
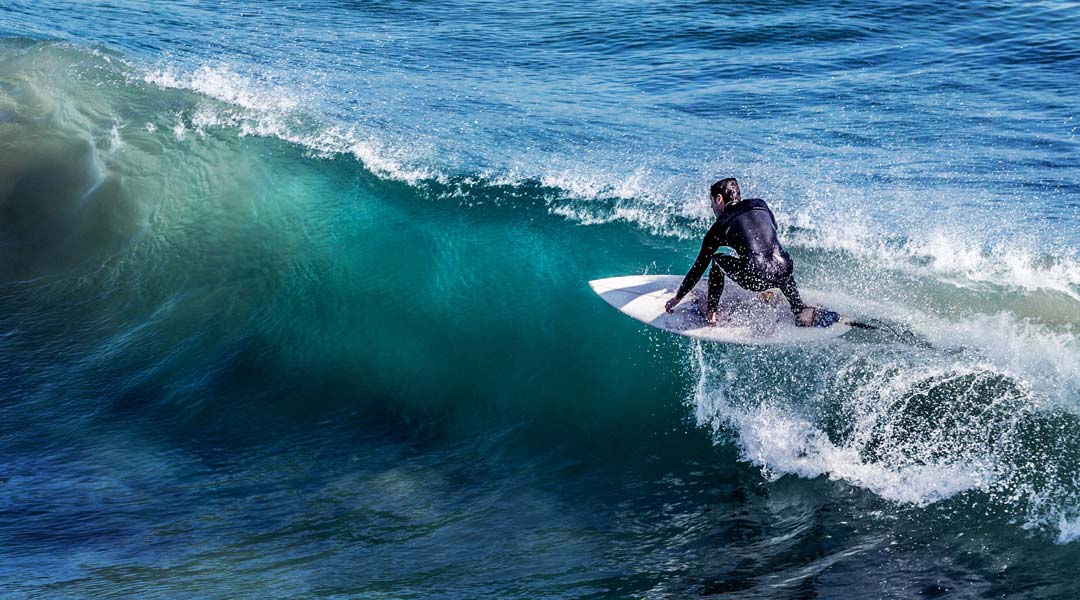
point(712, 318)
point(806, 316)
point(768, 297)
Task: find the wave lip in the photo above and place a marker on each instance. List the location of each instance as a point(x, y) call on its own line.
point(593, 187)
point(953, 256)
point(265, 110)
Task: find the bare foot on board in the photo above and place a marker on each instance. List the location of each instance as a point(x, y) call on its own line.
point(806, 317)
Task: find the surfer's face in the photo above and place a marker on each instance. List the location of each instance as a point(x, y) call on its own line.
point(717, 204)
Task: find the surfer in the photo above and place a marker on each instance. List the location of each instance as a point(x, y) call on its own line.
point(749, 227)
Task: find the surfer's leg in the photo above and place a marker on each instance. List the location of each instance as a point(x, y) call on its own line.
point(788, 287)
point(805, 316)
point(724, 265)
point(716, 287)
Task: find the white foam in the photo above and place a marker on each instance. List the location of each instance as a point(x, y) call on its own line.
point(1068, 530)
point(893, 443)
point(957, 257)
point(780, 442)
point(257, 109)
point(224, 84)
point(1045, 359)
point(587, 185)
point(590, 194)
point(594, 195)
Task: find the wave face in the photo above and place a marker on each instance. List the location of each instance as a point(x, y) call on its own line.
point(293, 301)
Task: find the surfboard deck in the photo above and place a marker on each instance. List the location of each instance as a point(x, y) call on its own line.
point(745, 317)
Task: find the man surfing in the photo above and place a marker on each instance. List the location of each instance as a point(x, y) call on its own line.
point(749, 227)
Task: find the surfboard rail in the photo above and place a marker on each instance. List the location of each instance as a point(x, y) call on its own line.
point(745, 317)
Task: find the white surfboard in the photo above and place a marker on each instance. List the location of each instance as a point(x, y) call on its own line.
point(745, 317)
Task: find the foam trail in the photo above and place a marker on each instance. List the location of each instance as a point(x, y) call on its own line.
point(781, 442)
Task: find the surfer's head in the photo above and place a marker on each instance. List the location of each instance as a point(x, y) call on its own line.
point(724, 193)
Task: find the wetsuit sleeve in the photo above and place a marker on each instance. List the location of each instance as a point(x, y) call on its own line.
point(709, 246)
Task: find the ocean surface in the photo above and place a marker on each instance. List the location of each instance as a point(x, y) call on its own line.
point(294, 302)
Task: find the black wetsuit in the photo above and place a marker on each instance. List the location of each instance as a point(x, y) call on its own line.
point(749, 227)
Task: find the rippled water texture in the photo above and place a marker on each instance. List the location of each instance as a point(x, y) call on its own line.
point(293, 300)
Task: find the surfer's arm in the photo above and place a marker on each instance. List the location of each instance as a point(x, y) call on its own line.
point(709, 246)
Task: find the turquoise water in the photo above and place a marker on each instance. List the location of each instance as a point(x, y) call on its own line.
point(294, 301)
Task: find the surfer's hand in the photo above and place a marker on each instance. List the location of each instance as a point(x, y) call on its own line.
point(671, 304)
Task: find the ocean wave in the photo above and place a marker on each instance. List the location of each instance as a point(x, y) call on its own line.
point(879, 258)
point(667, 205)
point(991, 326)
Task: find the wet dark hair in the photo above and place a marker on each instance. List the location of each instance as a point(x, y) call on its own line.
point(728, 188)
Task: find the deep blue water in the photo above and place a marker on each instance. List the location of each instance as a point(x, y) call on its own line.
point(293, 300)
